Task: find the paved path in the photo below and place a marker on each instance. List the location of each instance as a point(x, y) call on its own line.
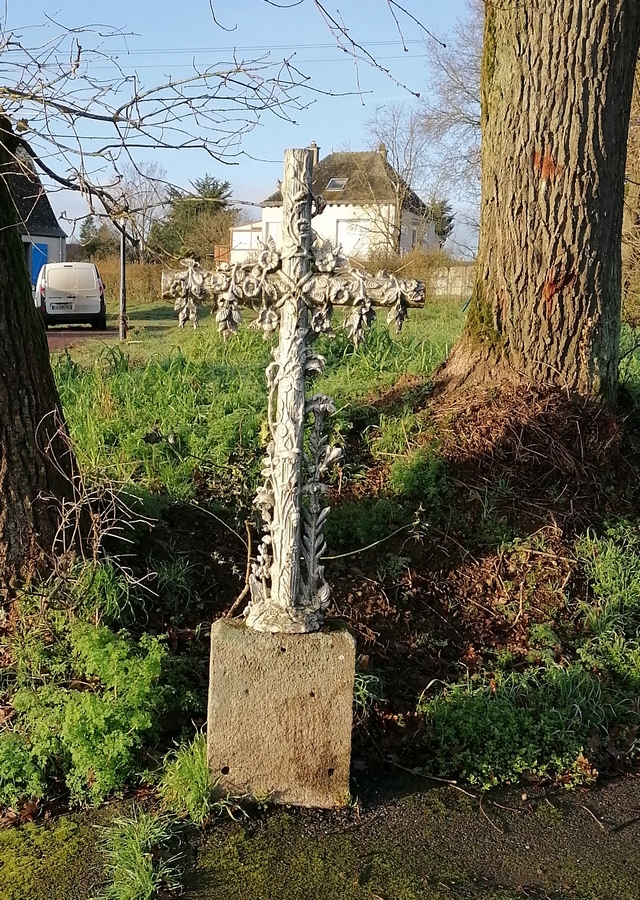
point(59, 338)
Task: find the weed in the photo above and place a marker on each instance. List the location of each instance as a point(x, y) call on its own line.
point(187, 785)
point(611, 619)
point(132, 846)
point(362, 522)
point(420, 475)
point(367, 690)
point(89, 724)
point(392, 567)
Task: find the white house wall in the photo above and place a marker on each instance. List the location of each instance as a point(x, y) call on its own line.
point(352, 226)
point(357, 228)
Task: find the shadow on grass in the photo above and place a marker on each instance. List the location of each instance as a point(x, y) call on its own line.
point(151, 313)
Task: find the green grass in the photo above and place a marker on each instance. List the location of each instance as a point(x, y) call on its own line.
point(187, 785)
point(175, 405)
point(135, 870)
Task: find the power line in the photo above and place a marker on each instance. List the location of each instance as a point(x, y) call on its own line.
point(333, 60)
point(258, 48)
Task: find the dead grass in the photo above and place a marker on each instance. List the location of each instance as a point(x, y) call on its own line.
point(143, 281)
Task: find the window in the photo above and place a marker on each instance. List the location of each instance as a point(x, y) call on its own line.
point(337, 184)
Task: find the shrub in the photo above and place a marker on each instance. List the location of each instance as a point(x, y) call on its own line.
point(89, 730)
point(491, 730)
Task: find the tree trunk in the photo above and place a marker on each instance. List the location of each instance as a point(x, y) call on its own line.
point(631, 219)
point(557, 81)
point(29, 416)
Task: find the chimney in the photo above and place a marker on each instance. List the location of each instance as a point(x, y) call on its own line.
point(316, 152)
point(382, 150)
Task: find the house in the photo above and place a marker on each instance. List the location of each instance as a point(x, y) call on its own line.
point(369, 207)
point(43, 238)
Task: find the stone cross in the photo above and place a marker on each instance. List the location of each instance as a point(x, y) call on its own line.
point(294, 290)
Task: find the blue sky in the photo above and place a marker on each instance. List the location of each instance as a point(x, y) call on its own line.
point(163, 38)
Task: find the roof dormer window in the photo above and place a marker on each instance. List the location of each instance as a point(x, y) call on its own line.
point(336, 184)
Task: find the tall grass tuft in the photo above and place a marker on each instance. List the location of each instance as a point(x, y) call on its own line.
point(131, 847)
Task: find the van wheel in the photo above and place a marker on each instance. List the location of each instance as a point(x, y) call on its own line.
point(99, 325)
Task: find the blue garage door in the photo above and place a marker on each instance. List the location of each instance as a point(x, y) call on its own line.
point(39, 254)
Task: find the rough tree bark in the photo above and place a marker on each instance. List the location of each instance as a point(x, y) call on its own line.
point(556, 86)
point(28, 398)
point(631, 219)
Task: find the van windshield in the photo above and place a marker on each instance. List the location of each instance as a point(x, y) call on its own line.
point(72, 278)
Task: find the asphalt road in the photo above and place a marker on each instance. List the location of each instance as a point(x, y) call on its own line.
point(59, 338)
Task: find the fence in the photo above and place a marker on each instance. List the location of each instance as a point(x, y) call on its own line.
point(454, 281)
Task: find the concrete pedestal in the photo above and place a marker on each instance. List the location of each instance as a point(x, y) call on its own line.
point(280, 714)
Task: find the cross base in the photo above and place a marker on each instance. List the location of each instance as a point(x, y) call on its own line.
point(280, 715)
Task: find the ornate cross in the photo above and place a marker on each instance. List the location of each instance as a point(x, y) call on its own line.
point(296, 291)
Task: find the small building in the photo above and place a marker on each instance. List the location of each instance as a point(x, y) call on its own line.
point(43, 239)
point(369, 208)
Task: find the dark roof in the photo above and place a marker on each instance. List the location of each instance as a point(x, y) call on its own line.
point(33, 211)
point(370, 180)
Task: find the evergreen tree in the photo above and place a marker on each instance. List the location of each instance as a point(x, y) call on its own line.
point(191, 216)
point(441, 213)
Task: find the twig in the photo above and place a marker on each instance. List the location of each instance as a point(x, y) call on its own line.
point(446, 781)
point(594, 817)
point(493, 824)
point(245, 589)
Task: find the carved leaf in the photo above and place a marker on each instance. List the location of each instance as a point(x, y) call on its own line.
point(314, 365)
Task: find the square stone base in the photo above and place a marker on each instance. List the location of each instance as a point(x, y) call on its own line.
point(280, 714)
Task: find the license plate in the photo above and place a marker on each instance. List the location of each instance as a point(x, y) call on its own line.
point(62, 306)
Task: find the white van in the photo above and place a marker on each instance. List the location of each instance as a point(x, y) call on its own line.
point(71, 293)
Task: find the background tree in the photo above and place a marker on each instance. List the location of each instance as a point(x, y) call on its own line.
point(144, 191)
point(196, 221)
point(35, 464)
point(97, 240)
point(398, 132)
point(441, 213)
point(451, 110)
point(546, 307)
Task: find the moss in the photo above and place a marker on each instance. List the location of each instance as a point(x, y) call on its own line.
point(480, 325)
point(425, 846)
point(281, 862)
point(49, 862)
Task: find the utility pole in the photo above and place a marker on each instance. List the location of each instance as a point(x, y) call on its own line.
point(122, 318)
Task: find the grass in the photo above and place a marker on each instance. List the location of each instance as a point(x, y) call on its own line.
point(187, 785)
point(173, 408)
point(132, 847)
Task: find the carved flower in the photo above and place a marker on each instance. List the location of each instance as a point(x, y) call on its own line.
point(250, 286)
point(315, 365)
point(321, 320)
point(320, 405)
point(267, 319)
point(330, 457)
point(396, 316)
point(228, 316)
point(339, 292)
point(413, 291)
point(327, 257)
point(264, 499)
point(268, 257)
